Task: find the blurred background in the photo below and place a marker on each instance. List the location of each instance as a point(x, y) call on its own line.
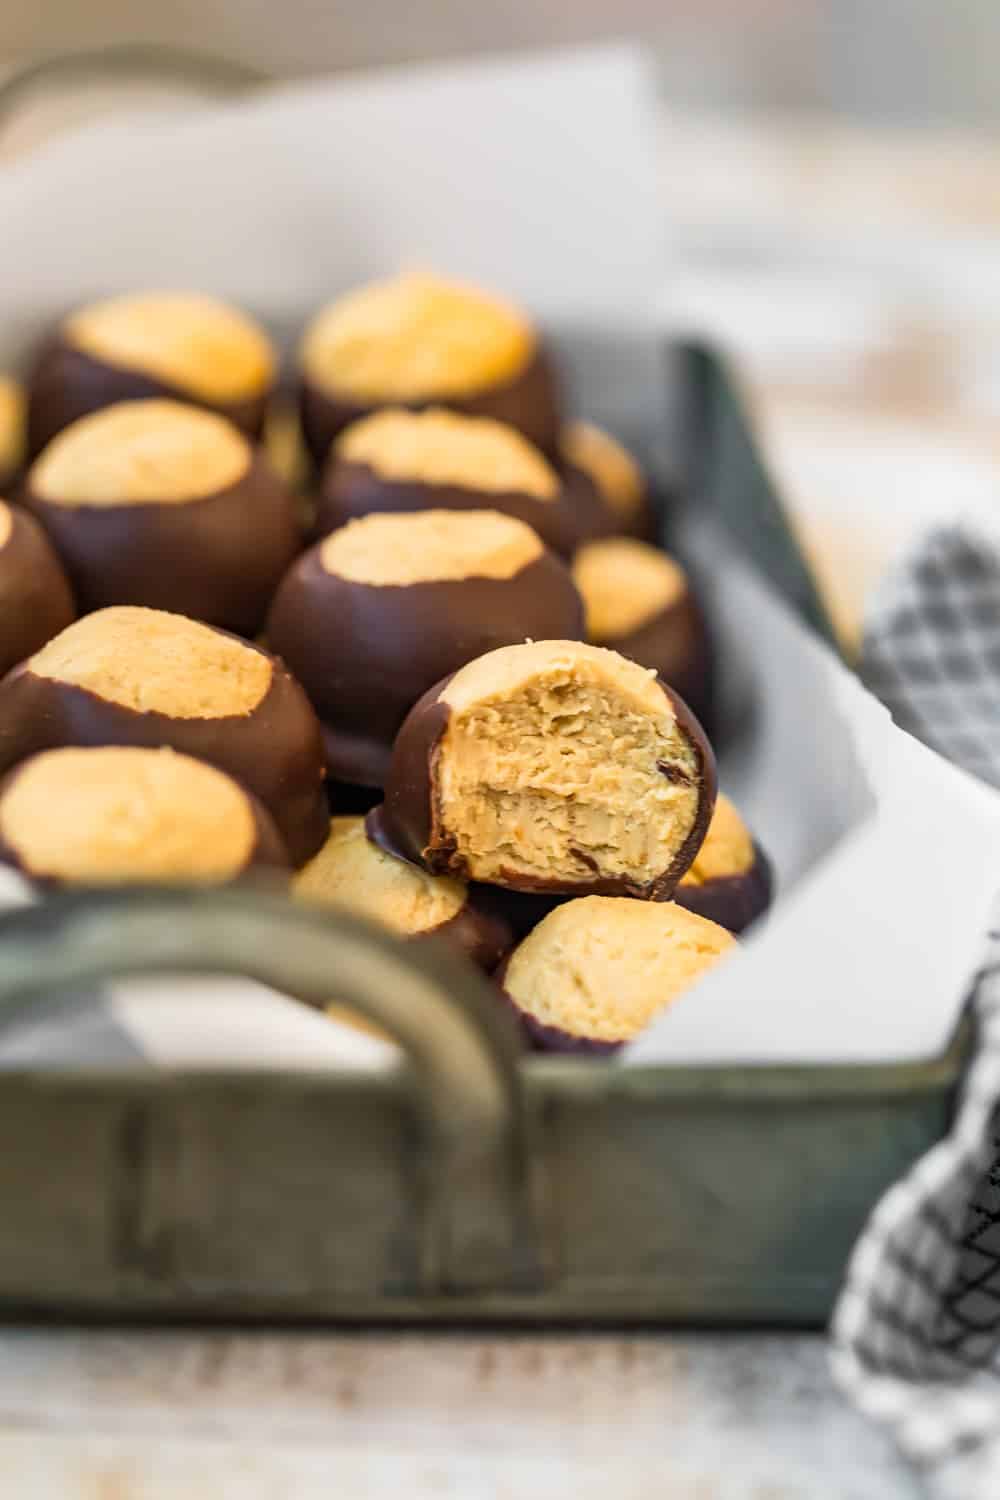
point(829, 184)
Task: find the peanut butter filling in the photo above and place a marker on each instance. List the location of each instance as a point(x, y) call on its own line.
point(416, 337)
point(613, 470)
point(603, 968)
point(203, 347)
point(6, 524)
point(429, 546)
point(442, 447)
point(564, 762)
point(154, 662)
point(141, 453)
point(727, 850)
point(109, 816)
point(351, 873)
point(624, 584)
point(12, 424)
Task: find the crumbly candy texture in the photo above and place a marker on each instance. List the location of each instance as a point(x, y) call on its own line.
point(439, 447)
point(110, 816)
point(203, 347)
point(602, 968)
point(155, 452)
point(613, 470)
point(12, 419)
point(416, 337)
point(624, 584)
point(154, 662)
point(728, 848)
point(355, 875)
point(563, 763)
point(429, 546)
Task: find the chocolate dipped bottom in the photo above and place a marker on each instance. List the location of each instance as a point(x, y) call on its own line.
point(400, 460)
point(352, 874)
point(552, 767)
point(638, 601)
point(164, 505)
point(597, 971)
point(118, 816)
point(730, 880)
point(36, 601)
point(417, 341)
point(131, 348)
point(12, 435)
point(616, 476)
point(380, 610)
point(129, 676)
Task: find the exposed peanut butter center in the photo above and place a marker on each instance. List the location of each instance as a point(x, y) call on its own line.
point(141, 453)
point(351, 873)
point(154, 662)
point(114, 815)
point(613, 470)
point(203, 347)
point(6, 524)
point(430, 546)
point(727, 850)
point(624, 584)
point(564, 762)
point(415, 338)
point(442, 447)
point(12, 424)
point(603, 968)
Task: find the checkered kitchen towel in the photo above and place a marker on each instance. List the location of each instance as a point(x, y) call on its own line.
point(916, 1334)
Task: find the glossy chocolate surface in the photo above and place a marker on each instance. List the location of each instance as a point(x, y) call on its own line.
point(734, 901)
point(67, 383)
point(275, 751)
point(217, 559)
point(364, 653)
point(36, 601)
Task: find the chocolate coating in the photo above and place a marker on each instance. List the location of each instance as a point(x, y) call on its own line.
point(481, 935)
point(67, 383)
point(352, 490)
point(408, 823)
point(36, 601)
point(364, 653)
point(675, 643)
point(734, 901)
point(217, 559)
point(275, 751)
point(268, 852)
point(529, 402)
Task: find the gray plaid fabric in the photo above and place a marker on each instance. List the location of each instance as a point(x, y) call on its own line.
point(916, 1333)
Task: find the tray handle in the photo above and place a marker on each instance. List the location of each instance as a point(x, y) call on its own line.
point(476, 1231)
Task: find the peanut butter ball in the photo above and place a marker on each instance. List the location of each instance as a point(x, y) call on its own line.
point(142, 677)
point(12, 434)
point(730, 880)
point(399, 460)
point(638, 601)
point(122, 815)
point(598, 970)
point(551, 766)
point(36, 601)
point(175, 344)
point(165, 505)
point(353, 874)
point(419, 340)
point(619, 480)
point(380, 610)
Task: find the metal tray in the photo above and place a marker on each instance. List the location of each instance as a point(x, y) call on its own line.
point(469, 1185)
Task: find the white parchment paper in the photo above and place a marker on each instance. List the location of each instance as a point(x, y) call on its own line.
point(535, 177)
